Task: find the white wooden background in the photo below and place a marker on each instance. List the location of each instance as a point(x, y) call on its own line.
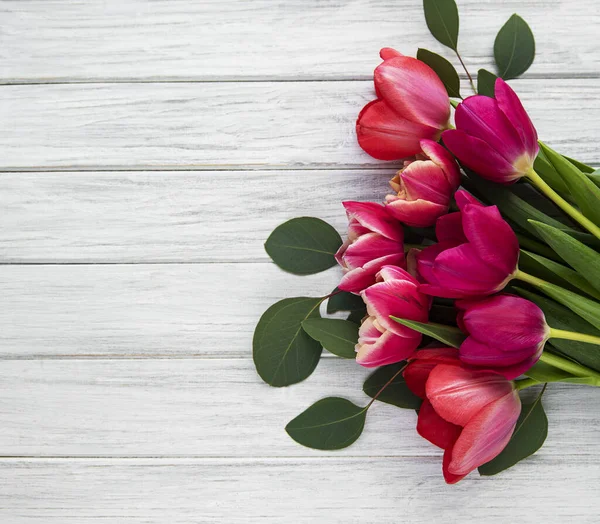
point(147, 148)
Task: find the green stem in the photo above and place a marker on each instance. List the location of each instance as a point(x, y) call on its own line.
point(526, 383)
point(573, 335)
point(568, 365)
point(466, 71)
point(530, 279)
point(576, 215)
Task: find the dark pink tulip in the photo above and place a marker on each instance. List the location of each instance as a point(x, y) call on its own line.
point(424, 187)
point(375, 239)
point(470, 414)
point(412, 104)
point(477, 253)
point(506, 333)
point(494, 136)
point(381, 340)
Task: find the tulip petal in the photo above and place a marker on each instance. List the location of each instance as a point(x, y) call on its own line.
point(422, 362)
point(357, 279)
point(414, 91)
point(374, 217)
point(416, 213)
point(442, 157)
point(424, 179)
point(448, 228)
point(450, 478)
point(386, 136)
point(370, 247)
point(434, 428)
point(388, 349)
point(387, 52)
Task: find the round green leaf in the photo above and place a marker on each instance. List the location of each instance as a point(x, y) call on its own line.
point(486, 83)
point(303, 246)
point(442, 20)
point(396, 393)
point(336, 336)
point(283, 353)
point(514, 48)
point(344, 301)
point(331, 423)
point(443, 69)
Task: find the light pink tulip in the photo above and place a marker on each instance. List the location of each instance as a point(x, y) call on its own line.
point(494, 137)
point(375, 239)
point(507, 334)
point(477, 253)
point(412, 104)
point(381, 340)
point(470, 414)
point(424, 187)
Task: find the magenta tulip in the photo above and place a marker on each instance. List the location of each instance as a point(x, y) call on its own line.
point(381, 340)
point(424, 187)
point(470, 414)
point(507, 334)
point(494, 137)
point(412, 104)
point(477, 253)
point(375, 239)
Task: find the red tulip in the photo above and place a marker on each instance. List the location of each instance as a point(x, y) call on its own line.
point(424, 187)
point(375, 239)
point(494, 137)
point(507, 334)
point(381, 340)
point(412, 104)
point(470, 414)
point(477, 253)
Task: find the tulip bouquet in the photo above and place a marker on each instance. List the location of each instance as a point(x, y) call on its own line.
point(477, 277)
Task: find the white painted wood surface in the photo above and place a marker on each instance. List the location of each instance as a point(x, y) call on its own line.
point(136, 192)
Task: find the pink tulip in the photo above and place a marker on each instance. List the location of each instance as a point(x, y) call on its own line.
point(381, 340)
point(494, 137)
point(506, 333)
point(477, 253)
point(375, 239)
point(424, 187)
point(412, 104)
point(470, 414)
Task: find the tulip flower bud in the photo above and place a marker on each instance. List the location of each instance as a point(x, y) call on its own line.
point(477, 253)
point(381, 340)
point(470, 414)
point(424, 187)
point(507, 334)
point(375, 239)
point(412, 104)
point(494, 136)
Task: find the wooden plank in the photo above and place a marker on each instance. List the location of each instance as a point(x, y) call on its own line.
point(59, 41)
point(221, 408)
point(236, 125)
point(168, 216)
point(333, 490)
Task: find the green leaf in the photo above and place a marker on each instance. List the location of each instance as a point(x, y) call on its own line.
point(559, 317)
point(529, 436)
point(584, 168)
point(486, 82)
point(554, 272)
point(331, 423)
point(448, 335)
point(357, 315)
point(585, 193)
point(514, 48)
point(545, 169)
point(283, 353)
point(543, 372)
point(583, 259)
point(397, 392)
point(442, 20)
point(303, 246)
point(336, 336)
point(443, 69)
point(344, 301)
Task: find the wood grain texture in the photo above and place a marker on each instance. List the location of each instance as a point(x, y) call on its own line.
point(62, 40)
point(303, 491)
point(236, 125)
point(167, 216)
point(221, 408)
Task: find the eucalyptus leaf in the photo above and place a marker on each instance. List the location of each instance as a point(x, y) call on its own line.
point(448, 335)
point(514, 48)
point(397, 392)
point(583, 259)
point(331, 423)
point(442, 20)
point(357, 315)
point(283, 353)
point(344, 301)
point(336, 336)
point(486, 83)
point(443, 69)
point(304, 245)
point(529, 436)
